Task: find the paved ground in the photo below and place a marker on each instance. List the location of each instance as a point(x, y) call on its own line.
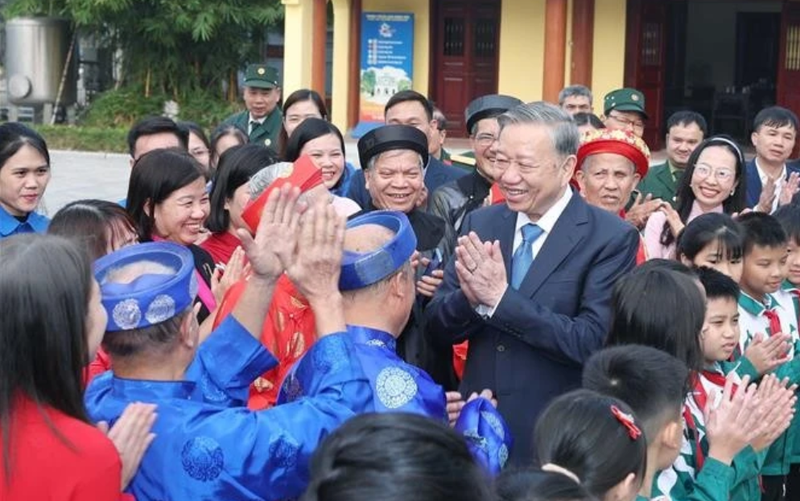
point(78, 174)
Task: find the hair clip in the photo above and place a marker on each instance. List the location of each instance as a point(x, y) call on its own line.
point(627, 422)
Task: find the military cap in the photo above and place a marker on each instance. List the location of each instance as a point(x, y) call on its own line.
point(488, 106)
point(624, 100)
point(392, 137)
point(261, 76)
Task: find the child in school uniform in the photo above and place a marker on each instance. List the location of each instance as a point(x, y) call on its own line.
point(663, 308)
point(636, 375)
point(789, 218)
point(761, 311)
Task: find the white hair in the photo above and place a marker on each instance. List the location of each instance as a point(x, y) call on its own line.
point(261, 180)
point(127, 273)
point(374, 160)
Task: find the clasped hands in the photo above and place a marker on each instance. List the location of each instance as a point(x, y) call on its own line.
point(480, 270)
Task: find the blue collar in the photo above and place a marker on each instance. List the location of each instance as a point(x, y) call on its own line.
point(152, 391)
point(9, 225)
point(372, 337)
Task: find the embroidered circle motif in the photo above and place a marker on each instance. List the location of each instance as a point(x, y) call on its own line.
point(284, 453)
point(502, 455)
point(494, 424)
point(162, 308)
point(202, 459)
point(476, 440)
point(395, 387)
point(376, 342)
point(126, 314)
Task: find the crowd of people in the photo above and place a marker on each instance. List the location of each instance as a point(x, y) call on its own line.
point(545, 317)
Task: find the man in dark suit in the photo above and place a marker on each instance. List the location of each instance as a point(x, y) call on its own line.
point(409, 107)
point(531, 284)
point(769, 182)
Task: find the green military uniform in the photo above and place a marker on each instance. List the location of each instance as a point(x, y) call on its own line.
point(465, 161)
point(661, 182)
point(268, 130)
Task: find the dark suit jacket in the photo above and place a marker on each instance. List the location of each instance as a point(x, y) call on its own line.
point(660, 183)
point(533, 348)
point(754, 182)
point(436, 175)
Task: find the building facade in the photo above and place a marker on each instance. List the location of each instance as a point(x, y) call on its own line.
point(724, 58)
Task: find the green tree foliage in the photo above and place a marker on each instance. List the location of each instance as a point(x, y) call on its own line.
point(170, 47)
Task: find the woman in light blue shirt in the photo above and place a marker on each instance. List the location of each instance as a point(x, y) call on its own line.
point(24, 174)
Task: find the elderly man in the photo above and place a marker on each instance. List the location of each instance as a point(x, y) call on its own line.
point(412, 109)
point(610, 164)
point(152, 337)
point(575, 99)
point(394, 156)
point(458, 198)
point(623, 109)
point(531, 285)
point(263, 119)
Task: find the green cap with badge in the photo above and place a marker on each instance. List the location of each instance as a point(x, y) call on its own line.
point(261, 76)
point(624, 100)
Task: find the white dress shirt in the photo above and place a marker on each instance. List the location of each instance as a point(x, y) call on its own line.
point(547, 222)
point(778, 185)
point(251, 120)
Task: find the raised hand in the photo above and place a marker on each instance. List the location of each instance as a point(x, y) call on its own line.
point(790, 189)
point(777, 401)
point(276, 235)
point(428, 284)
point(642, 208)
point(767, 198)
point(131, 436)
point(235, 270)
point(480, 270)
point(732, 425)
point(768, 353)
point(673, 219)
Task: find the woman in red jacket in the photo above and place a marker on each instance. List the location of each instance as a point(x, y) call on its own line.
point(51, 325)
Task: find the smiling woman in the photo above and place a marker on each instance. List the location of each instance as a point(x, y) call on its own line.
point(24, 174)
point(167, 199)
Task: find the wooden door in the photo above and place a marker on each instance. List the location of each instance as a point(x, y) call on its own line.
point(645, 61)
point(789, 59)
point(466, 54)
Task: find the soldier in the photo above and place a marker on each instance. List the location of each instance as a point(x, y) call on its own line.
point(623, 109)
point(263, 118)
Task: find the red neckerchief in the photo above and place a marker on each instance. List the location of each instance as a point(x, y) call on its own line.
point(701, 399)
point(774, 321)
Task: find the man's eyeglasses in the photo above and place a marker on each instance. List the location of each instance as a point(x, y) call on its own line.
point(635, 124)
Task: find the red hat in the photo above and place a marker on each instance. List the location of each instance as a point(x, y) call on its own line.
point(619, 142)
point(303, 174)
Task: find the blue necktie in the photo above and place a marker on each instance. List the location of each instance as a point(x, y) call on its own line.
point(523, 257)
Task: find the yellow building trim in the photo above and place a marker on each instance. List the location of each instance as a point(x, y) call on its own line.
point(521, 49)
point(341, 65)
point(422, 43)
point(298, 22)
point(568, 49)
point(608, 57)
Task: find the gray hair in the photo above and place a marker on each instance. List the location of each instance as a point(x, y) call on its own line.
point(266, 176)
point(372, 161)
point(574, 90)
point(566, 138)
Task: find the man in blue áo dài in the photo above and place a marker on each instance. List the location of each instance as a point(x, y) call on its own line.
point(378, 292)
point(207, 445)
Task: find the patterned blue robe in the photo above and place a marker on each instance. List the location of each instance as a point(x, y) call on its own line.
point(208, 446)
point(396, 386)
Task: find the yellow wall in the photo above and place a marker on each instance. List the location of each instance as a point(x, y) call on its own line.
point(422, 17)
point(521, 49)
point(608, 57)
point(341, 66)
point(297, 44)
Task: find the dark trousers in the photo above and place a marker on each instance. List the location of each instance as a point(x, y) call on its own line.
point(774, 488)
point(793, 482)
